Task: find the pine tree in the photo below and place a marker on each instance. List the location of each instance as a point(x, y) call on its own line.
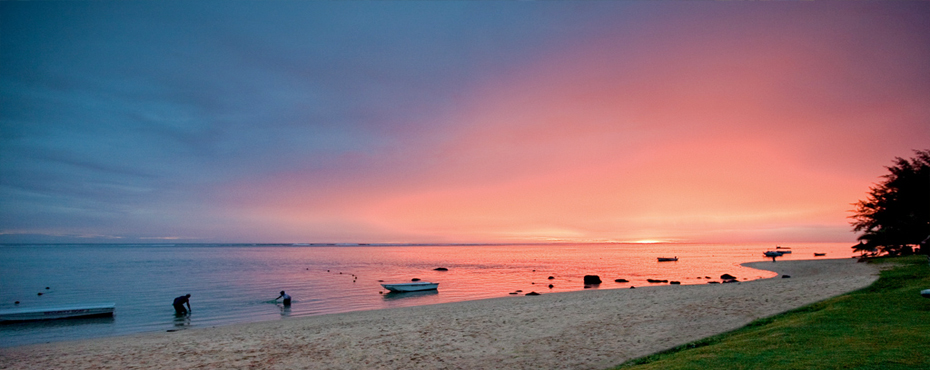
point(895, 217)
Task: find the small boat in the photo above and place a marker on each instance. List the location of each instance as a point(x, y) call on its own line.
point(668, 259)
point(773, 253)
point(819, 254)
point(53, 313)
point(411, 287)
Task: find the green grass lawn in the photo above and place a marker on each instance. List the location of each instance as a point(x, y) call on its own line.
point(884, 326)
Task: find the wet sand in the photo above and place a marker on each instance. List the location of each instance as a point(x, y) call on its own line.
point(592, 329)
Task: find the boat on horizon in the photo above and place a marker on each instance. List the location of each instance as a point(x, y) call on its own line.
point(55, 313)
point(411, 287)
point(668, 259)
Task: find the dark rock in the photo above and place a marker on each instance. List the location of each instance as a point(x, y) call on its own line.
point(632, 287)
point(727, 277)
point(415, 279)
point(519, 291)
point(440, 269)
point(592, 279)
point(532, 293)
point(40, 293)
point(675, 282)
point(725, 281)
point(622, 280)
point(513, 293)
point(551, 277)
point(786, 276)
point(551, 286)
point(656, 281)
point(713, 282)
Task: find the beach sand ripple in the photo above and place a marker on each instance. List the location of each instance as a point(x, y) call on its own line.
point(592, 329)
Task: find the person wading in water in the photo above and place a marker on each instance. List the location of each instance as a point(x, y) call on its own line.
point(287, 298)
point(179, 305)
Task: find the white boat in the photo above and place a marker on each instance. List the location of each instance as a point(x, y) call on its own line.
point(62, 312)
point(668, 259)
point(411, 287)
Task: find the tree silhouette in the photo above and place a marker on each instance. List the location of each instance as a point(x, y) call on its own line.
point(895, 217)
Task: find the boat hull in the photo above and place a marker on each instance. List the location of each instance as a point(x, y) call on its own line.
point(411, 287)
point(55, 313)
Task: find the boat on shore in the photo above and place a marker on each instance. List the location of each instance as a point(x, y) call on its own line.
point(54, 313)
point(668, 259)
point(411, 287)
point(773, 253)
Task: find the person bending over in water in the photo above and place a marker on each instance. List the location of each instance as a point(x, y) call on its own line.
point(179, 304)
point(287, 298)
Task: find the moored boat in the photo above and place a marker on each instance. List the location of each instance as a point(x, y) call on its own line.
point(668, 259)
point(61, 312)
point(773, 253)
point(411, 287)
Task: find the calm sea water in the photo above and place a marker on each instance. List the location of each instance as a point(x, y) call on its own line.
point(237, 283)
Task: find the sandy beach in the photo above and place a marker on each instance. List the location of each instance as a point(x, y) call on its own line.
point(591, 329)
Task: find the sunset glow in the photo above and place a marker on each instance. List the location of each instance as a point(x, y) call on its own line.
point(454, 122)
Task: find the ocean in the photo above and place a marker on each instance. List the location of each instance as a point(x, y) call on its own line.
point(237, 283)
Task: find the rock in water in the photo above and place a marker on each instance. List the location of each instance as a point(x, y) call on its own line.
point(622, 280)
point(532, 293)
point(592, 279)
point(440, 269)
point(727, 277)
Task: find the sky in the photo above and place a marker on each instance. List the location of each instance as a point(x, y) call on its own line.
point(453, 122)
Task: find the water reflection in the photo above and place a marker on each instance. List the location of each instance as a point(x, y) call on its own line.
point(402, 295)
point(285, 309)
point(72, 322)
point(181, 322)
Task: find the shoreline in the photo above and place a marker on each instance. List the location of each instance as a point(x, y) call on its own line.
point(592, 329)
